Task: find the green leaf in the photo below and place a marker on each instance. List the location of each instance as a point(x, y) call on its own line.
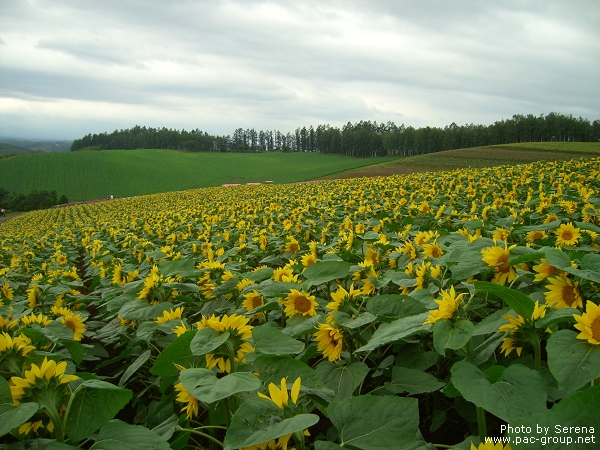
point(206, 340)
point(557, 258)
point(12, 416)
point(139, 362)
point(376, 423)
point(518, 301)
point(396, 330)
point(178, 352)
point(142, 310)
point(272, 368)
point(555, 316)
point(260, 275)
point(75, 349)
point(270, 288)
point(185, 268)
point(227, 287)
point(412, 381)
point(94, 403)
point(520, 392)
point(482, 352)
point(183, 287)
point(306, 326)
point(326, 445)
point(205, 386)
point(580, 410)
point(395, 306)
point(257, 421)
point(470, 264)
point(452, 335)
point(572, 361)
point(325, 271)
point(400, 278)
point(491, 323)
point(56, 331)
point(269, 340)
point(117, 435)
point(343, 380)
point(5, 394)
point(345, 320)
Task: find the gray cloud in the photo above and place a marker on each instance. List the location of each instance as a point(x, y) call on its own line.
point(283, 64)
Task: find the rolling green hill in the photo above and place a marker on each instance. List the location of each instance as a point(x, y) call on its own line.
point(125, 173)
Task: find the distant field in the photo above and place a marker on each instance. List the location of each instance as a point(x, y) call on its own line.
point(125, 173)
point(494, 155)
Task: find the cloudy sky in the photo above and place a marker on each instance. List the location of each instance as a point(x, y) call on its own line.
point(70, 67)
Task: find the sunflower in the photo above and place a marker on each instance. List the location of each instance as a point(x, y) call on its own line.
point(544, 270)
point(292, 245)
point(75, 323)
point(330, 341)
point(563, 293)
point(240, 331)
point(372, 255)
point(308, 259)
point(447, 306)
point(589, 323)
point(533, 236)
point(497, 257)
point(40, 319)
point(300, 303)
point(567, 234)
point(47, 375)
point(21, 344)
point(432, 250)
point(280, 396)
point(340, 296)
point(191, 403)
point(514, 327)
point(253, 300)
point(170, 315)
point(283, 273)
point(6, 292)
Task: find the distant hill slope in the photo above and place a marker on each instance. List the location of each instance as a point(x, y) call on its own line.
point(124, 173)
point(494, 155)
point(39, 145)
point(9, 149)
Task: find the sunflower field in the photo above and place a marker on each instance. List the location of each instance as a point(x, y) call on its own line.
point(432, 310)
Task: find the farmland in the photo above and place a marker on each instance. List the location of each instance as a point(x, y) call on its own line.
point(93, 175)
point(385, 312)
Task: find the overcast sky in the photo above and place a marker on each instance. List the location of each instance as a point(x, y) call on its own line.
point(72, 67)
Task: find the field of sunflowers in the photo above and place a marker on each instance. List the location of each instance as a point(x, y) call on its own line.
point(424, 311)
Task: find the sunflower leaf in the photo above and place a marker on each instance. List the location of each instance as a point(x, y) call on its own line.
point(12, 416)
point(518, 301)
point(205, 386)
point(325, 271)
point(572, 361)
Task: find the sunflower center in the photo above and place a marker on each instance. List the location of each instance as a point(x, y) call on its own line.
point(568, 294)
point(596, 329)
point(435, 252)
point(503, 267)
point(256, 302)
point(302, 304)
point(70, 324)
point(567, 235)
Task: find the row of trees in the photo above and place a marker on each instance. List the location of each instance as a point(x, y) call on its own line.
point(364, 138)
point(28, 202)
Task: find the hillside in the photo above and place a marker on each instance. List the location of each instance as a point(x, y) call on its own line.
point(10, 149)
point(494, 155)
point(125, 173)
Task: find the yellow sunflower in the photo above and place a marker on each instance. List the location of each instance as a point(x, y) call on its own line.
point(6, 292)
point(544, 270)
point(21, 344)
point(240, 331)
point(567, 234)
point(283, 274)
point(280, 396)
point(191, 403)
point(292, 245)
point(300, 303)
point(589, 323)
point(563, 293)
point(170, 315)
point(49, 372)
point(330, 341)
point(308, 259)
point(533, 236)
point(447, 306)
point(340, 295)
point(490, 446)
point(40, 319)
point(75, 323)
point(497, 257)
point(432, 250)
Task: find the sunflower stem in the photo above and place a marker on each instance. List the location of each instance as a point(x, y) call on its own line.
point(537, 350)
point(481, 423)
point(200, 433)
point(46, 400)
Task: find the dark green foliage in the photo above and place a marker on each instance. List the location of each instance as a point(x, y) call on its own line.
point(364, 138)
point(36, 199)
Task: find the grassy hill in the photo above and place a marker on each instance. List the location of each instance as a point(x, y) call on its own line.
point(124, 173)
point(494, 155)
point(10, 149)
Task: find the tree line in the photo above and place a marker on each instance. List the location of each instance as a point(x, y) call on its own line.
point(36, 199)
point(364, 138)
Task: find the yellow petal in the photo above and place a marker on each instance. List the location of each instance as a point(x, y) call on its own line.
point(296, 390)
